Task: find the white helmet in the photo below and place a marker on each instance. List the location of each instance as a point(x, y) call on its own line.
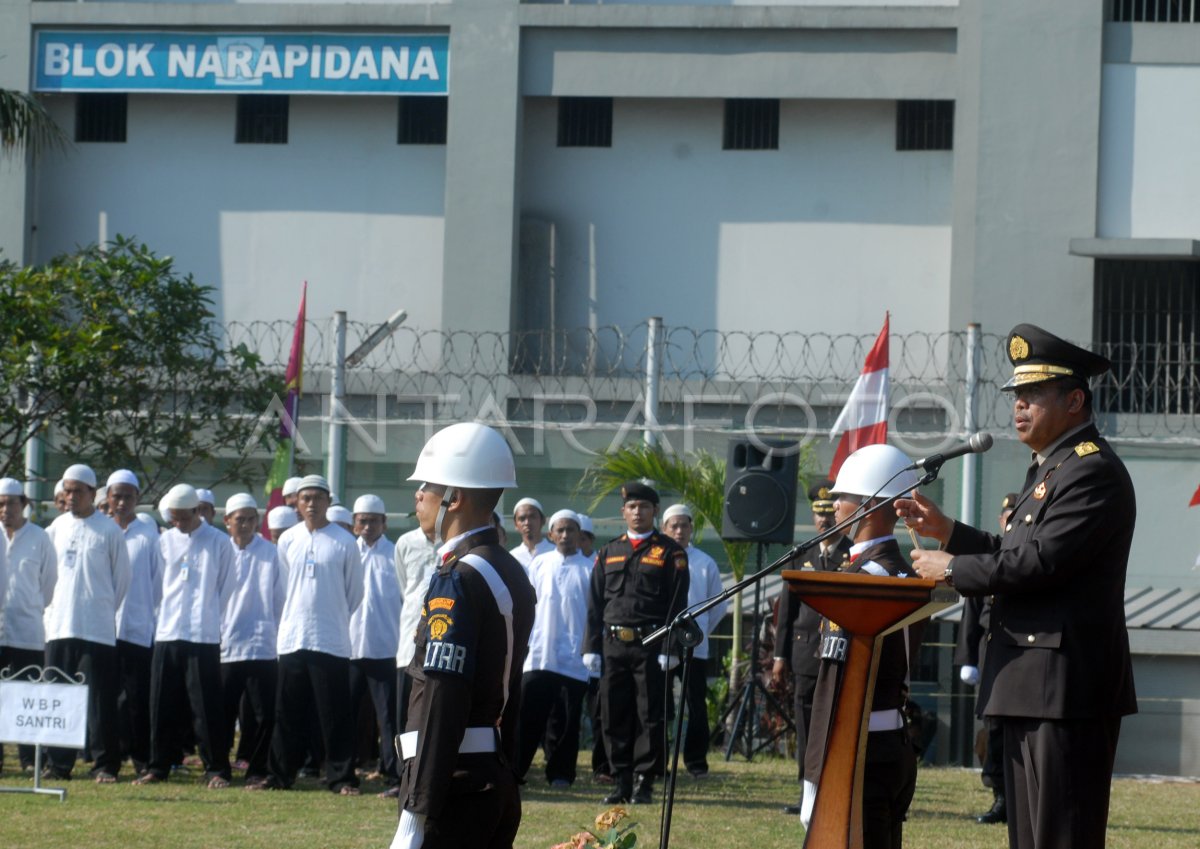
point(469, 456)
point(879, 471)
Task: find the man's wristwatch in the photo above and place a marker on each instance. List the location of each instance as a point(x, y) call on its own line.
point(948, 577)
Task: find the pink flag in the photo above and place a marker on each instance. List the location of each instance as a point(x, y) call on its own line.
point(864, 418)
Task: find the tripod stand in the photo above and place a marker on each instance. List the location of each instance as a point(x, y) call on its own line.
point(744, 701)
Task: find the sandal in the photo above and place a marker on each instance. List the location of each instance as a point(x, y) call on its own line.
point(146, 778)
point(217, 783)
point(105, 778)
point(348, 790)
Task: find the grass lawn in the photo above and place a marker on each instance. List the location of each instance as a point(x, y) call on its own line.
point(737, 806)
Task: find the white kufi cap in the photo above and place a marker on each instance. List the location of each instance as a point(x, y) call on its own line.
point(282, 517)
point(11, 486)
point(528, 502)
point(565, 514)
point(338, 513)
point(81, 474)
point(206, 495)
point(313, 482)
point(585, 524)
point(123, 476)
point(677, 510)
point(369, 504)
point(240, 502)
point(291, 486)
point(182, 496)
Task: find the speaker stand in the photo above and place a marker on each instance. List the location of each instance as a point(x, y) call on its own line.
point(747, 720)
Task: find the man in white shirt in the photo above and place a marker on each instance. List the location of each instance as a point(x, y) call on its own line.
point(375, 631)
point(324, 574)
point(416, 561)
point(529, 519)
point(185, 669)
point(208, 505)
point(704, 583)
point(249, 632)
point(32, 569)
point(554, 675)
point(81, 630)
point(135, 618)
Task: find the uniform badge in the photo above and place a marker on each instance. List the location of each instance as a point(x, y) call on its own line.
point(441, 604)
point(1018, 348)
point(1085, 448)
point(1039, 491)
point(439, 624)
point(656, 551)
point(680, 562)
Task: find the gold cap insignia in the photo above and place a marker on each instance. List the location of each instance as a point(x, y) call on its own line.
point(823, 494)
point(1018, 348)
point(1085, 448)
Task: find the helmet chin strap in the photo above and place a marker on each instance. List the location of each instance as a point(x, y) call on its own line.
point(447, 497)
point(852, 531)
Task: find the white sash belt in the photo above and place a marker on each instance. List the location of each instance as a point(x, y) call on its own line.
point(475, 740)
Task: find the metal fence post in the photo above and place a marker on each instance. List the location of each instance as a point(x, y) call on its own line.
point(653, 380)
point(336, 464)
point(970, 470)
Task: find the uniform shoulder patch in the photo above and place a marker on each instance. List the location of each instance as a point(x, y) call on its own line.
point(681, 561)
point(449, 630)
point(1085, 448)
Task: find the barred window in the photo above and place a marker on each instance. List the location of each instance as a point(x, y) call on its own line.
point(101, 117)
point(1147, 317)
point(262, 119)
point(585, 121)
point(924, 125)
point(1156, 11)
point(751, 124)
point(422, 120)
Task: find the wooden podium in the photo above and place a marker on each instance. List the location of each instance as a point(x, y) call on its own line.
point(868, 607)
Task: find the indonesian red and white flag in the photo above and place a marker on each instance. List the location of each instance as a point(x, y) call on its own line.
point(863, 420)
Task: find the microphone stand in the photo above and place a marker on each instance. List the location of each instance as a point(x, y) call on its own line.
point(686, 620)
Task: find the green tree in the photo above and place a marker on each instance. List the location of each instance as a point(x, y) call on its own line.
point(115, 358)
point(25, 124)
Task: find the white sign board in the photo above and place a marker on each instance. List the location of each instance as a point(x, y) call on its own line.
point(49, 714)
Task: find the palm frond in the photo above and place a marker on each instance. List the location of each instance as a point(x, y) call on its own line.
point(25, 123)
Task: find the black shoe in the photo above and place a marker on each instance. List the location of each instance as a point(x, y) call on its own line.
point(997, 814)
point(643, 790)
point(623, 793)
point(792, 810)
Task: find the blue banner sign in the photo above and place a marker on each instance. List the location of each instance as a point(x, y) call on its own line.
point(274, 63)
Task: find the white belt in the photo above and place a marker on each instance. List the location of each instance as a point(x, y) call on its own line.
point(885, 720)
point(474, 741)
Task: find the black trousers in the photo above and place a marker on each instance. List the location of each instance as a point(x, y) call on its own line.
point(482, 810)
point(14, 660)
point(803, 687)
point(1057, 781)
point(249, 691)
point(600, 764)
point(133, 703)
point(993, 759)
point(185, 675)
point(631, 704)
point(889, 782)
point(98, 664)
point(695, 735)
point(313, 681)
point(551, 709)
point(376, 677)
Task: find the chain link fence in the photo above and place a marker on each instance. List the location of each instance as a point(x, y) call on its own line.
point(729, 381)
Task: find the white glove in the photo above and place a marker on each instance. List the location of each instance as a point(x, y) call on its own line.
point(410, 833)
point(807, 803)
point(592, 663)
point(969, 675)
point(667, 662)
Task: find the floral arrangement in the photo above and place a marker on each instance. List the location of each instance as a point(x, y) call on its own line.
point(607, 833)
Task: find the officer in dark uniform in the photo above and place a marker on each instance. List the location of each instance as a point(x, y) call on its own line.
point(968, 654)
point(458, 787)
point(639, 583)
point(1057, 674)
point(797, 631)
point(890, 773)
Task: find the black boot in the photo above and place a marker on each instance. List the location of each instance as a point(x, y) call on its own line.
point(643, 790)
point(623, 791)
point(997, 814)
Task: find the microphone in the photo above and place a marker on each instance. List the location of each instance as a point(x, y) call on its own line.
point(977, 444)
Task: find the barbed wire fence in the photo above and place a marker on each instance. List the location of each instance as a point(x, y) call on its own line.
point(791, 383)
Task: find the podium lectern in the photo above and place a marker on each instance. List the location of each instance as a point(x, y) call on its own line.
point(868, 607)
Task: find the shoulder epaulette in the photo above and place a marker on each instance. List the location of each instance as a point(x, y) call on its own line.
point(1085, 448)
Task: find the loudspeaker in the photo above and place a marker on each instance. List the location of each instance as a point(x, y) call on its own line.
point(760, 491)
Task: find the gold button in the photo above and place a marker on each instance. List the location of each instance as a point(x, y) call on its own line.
point(1029, 639)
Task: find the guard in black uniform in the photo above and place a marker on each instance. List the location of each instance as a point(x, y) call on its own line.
point(1058, 674)
point(458, 787)
point(798, 629)
point(969, 655)
point(890, 775)
point(639, 583)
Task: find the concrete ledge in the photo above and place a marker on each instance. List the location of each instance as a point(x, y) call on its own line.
point(1136, 248)
point(1152, 44)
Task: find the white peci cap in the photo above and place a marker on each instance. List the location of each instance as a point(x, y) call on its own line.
point(282, 517)
point(101, 495)
point(123, 476)
point(313, 482)
point(11, 486)
point(291, 486)
point(338, 513)
point(528, 502)
point(206, 495)
point(677, 510)
point(80, 474)
point(182, 496)
point(565, 514)
point(241, 501)
point(369, 504)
